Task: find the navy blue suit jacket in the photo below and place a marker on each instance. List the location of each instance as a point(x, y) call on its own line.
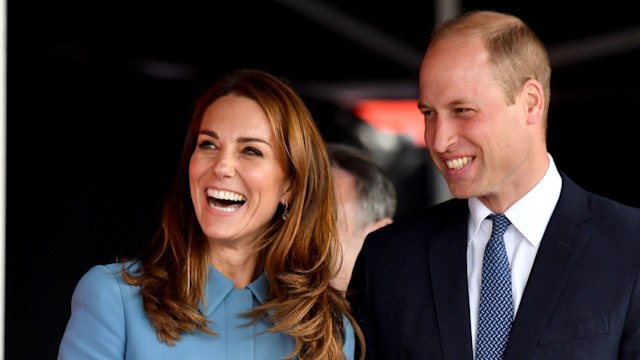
point(582, 299)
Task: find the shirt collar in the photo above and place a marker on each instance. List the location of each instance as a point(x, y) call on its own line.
point(219, 286)
point(529, 215)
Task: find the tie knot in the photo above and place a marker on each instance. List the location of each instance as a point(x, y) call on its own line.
point(500, 224)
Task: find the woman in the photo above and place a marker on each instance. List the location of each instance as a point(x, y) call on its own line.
point(241, 263)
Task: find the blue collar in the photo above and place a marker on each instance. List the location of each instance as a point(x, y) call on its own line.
point(219, 286)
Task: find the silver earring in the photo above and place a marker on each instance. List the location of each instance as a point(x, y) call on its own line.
point(285, 213)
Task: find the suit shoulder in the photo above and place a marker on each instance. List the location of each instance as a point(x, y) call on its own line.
point(436, 216)
point(602, 217)
point(604, 206)
point(419, 226)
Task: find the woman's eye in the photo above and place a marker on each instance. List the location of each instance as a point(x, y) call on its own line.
point(252, 151)
point(206, 144)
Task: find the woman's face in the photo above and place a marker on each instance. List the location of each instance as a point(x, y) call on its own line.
point(236, 176)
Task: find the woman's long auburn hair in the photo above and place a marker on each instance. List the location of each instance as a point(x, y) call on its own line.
point(298, 255)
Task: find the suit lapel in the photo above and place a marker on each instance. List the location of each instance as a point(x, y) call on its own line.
point(564, 237)
point(447, 252)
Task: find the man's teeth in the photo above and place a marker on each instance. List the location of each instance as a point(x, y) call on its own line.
point(225, 195)
point(457, 164)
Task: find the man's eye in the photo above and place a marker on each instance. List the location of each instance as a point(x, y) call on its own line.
point(429, 115)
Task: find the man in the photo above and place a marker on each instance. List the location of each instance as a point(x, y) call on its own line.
point(573, 256)
point(366, 202)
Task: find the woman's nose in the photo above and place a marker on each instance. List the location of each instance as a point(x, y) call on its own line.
point(224, 165)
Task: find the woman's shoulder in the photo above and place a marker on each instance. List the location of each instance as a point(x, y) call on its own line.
point(349, 346)
point(102, 279)
point(97, 272)
point(99, 313)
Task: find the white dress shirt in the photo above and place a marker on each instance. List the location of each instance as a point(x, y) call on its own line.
point(529, 217)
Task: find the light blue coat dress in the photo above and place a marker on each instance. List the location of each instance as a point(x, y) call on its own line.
point(108, 322)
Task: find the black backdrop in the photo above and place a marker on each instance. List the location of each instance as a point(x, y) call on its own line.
point(98, 98)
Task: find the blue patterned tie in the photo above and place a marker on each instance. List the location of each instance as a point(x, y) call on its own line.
point(496, 301)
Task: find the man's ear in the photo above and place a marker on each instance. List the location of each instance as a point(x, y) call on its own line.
point(535, 100)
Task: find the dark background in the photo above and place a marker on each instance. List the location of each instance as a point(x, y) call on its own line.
point(99, 95)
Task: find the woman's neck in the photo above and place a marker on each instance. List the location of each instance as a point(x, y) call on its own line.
point(237, 264)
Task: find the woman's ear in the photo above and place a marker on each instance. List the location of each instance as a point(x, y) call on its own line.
point(286, 196)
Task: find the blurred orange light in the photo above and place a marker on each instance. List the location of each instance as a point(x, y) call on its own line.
point(400, 117)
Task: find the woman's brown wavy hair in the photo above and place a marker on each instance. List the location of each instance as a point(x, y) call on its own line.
point(298, 255)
